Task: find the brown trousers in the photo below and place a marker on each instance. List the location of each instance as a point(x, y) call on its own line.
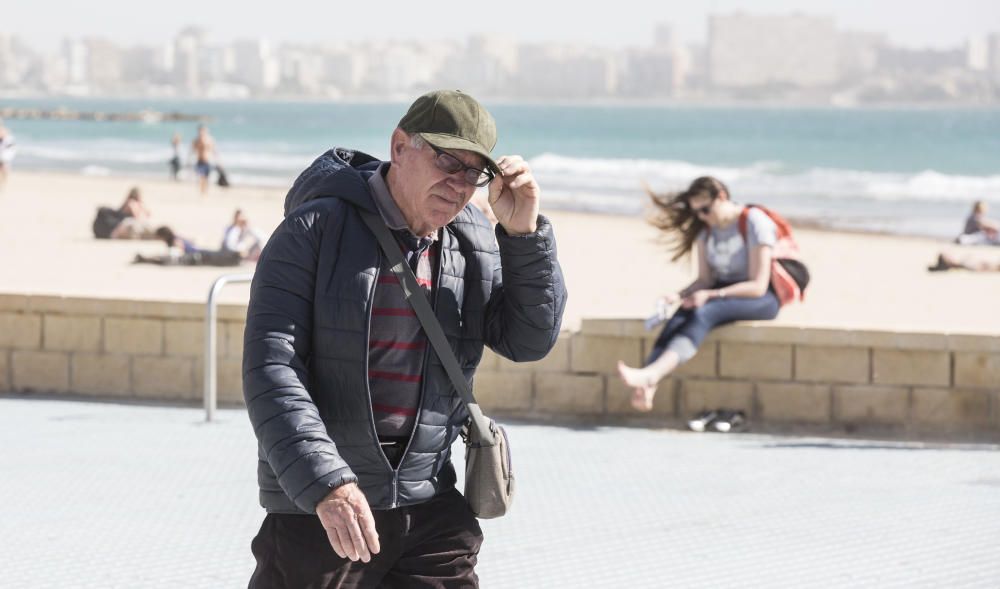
point(431, 545)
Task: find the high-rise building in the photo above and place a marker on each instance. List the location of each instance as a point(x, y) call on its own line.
point(977, 53)
point(396, 70)
point(655, 72)
point(649, 73)
point(142, 64)
point(187, 60)
point(484, 68)
point(75, 54)
point(256, 65)
point(747, 51)
point(9, 71)
point(343, 70)
point(552, 71)
point(993, 52)
point(216, 64)
point(53, 72)
point(104, 65)
point(901, 61)
point(302, 70)
point(857, 53)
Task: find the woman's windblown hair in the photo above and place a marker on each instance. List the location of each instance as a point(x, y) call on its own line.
point(674, 216)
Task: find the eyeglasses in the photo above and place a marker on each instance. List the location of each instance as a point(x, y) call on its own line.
point(701, 211)
point(450, 164)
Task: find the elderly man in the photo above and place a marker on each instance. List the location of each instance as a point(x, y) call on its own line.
point(353, 411)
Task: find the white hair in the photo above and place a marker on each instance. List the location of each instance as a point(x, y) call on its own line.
point(417, 142)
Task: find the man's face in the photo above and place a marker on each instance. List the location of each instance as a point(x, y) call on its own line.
point(429, 197)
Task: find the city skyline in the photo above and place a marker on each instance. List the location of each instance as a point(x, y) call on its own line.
point(754, 57)
point(935, 25)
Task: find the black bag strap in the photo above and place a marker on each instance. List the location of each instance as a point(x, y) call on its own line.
point(432, 327)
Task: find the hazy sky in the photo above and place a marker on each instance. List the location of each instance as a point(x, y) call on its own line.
point(42, 23)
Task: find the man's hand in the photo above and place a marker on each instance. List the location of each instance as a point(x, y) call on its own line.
point(349, 524)
point(514, 196)
point(696, 299)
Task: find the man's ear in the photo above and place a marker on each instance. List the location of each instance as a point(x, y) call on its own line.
point(398, 144)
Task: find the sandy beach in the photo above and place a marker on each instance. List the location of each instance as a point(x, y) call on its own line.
point(614, 265)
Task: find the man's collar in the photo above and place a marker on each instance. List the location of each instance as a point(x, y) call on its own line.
point(390, 211)
point(384, 201)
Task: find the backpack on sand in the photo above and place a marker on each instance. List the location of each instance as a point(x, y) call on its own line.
point(105, 222)
point(789, 275)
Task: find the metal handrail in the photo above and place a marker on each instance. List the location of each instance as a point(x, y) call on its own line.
point(211, 377)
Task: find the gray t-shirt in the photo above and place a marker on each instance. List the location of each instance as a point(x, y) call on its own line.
point(728, 254)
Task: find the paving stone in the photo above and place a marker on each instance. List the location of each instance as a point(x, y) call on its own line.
point(126, 495)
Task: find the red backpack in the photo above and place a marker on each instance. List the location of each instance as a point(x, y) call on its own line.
point(789, 275)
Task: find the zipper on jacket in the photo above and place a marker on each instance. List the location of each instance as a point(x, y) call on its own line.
point(423, 381)
point(368, 388)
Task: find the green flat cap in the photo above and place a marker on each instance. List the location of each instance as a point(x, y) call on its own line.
point(451, 119)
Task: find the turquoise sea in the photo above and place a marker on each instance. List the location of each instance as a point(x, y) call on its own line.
point(901, 170)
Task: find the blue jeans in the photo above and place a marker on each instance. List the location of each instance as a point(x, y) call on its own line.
point(685, 331)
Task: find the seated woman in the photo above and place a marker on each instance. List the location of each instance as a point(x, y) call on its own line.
point(129, 221)
point(979, 230)
point(733, 283)
point(242, 239)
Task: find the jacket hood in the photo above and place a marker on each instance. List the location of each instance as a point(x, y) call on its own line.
point(341, 173)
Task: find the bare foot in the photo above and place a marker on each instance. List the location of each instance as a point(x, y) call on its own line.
point(644, 384)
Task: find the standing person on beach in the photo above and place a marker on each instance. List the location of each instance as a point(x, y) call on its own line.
point(734, 276)
point(6, 153)
point(175, 161)
point(354, 413)
point(204, 151)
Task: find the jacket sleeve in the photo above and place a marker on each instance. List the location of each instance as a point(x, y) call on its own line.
point(276, 347)
point(525, 310)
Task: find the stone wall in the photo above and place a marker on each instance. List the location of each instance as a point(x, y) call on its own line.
point(115, 348)
point(782, 376)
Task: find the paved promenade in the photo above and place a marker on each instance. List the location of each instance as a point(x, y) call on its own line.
point(103, 495)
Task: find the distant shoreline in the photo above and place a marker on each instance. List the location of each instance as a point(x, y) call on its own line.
point(904, 173)
point(798, 222)
point(597, 102)
point(66, 114)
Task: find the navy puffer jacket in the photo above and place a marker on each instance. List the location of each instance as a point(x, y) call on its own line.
point(305, 354)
